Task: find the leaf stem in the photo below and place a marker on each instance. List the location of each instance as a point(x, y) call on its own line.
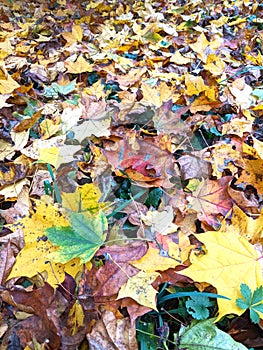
point(127, 239)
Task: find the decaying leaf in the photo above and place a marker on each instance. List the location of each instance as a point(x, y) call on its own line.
point(75, 317)
point(112, 333)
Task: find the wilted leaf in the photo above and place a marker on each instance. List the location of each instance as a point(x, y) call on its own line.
point(75, 317)
point(11, 172)
point(113, 333)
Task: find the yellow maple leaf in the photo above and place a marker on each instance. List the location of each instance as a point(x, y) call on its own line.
point(230, 261)
point(152, 261)
point(75, 35)
point(8, 85)
point(237, 127)
point(215, 65)
point(194, 85)
point(151, 95)
point(223, 156)
point(139, 288)
point(251, 229)
point(200, 47)
point(79, 66)
point(256, 151)
point(252, 174)
point(86, 197)
point(178, 58)
point(33, 258)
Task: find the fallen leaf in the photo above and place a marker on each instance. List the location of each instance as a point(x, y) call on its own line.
point(229, 261)
point(211, 198)
point(141, 165)
point(85, 197)
point(79, 239)
point(140, 289)
point(8, 85)
point(33, 258)
point(160, 221)
point(113, 333)
point(155, 260)
point(79, 66)
point(29, 122)
point(75, 317)
point(194, 85)
point(117, 268)
point(252, 174)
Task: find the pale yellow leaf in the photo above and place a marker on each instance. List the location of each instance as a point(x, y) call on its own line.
point(152, 261)
point(79, 66)
point(139, 288)
point(77, 32)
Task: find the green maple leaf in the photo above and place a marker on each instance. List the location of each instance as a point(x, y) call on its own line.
point(250, 301)
point(81, 239)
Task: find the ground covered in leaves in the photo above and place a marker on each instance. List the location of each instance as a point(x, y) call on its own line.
point(131, 174)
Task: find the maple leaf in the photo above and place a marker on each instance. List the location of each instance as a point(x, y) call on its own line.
point(224, 156)
point(200, 47)
point(85, 198)
point(147, 163)
point(140, 289)
point(246, 226)
point(211, 198)
point(194, 85)
point(75, 35)
point(252, 174)
point(160, 221)
point(81, 239)
point(33, 258)
point(156, 260)
point(79, 66)
point(230, 261)
point(58, 155)
point(8, 85)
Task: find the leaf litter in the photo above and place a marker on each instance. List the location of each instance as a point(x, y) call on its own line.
point(131, 168)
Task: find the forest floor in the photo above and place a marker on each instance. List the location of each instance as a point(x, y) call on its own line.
point(131, 175)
